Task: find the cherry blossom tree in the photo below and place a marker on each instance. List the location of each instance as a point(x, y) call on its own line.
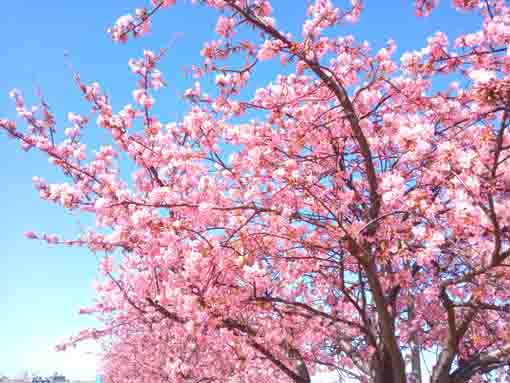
point(347, 217)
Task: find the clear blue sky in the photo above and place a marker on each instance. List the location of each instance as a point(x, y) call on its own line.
point(43, 287)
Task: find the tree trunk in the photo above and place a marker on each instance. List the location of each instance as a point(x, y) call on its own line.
point(382, 371)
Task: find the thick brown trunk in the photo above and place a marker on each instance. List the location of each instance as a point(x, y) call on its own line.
point(392, 355)
point(415, 351)
point(382, 371)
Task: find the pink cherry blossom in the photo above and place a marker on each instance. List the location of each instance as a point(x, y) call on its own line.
point(225, 26)
point(348, 216)
point(30, 235)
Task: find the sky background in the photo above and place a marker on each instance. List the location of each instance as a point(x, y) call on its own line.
point(43, 287)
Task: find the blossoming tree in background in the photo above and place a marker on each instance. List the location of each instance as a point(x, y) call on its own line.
point(344, 218)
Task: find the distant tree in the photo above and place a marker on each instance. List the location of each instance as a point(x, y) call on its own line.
point(347, 217)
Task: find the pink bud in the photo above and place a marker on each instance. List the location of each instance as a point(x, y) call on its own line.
point(30, 235)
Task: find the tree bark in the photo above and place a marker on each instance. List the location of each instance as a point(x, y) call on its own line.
point(382, 370)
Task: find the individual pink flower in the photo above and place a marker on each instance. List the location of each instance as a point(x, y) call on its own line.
point(30, 235)
point(482, 76)
point(225, 26)
point(267, 51)
point(163, 3)
point(142, 98)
